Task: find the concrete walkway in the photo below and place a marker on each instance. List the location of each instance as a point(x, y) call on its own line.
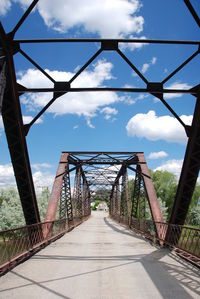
point(102, 260)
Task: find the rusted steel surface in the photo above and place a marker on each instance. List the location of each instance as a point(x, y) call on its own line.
point(56, 189)
point(150, 190)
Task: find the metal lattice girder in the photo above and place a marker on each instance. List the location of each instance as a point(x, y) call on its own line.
point(57, 188)
point(14, 129)
point(124, 211)
point(87, 208)
point(85, 198)
point(65, 210)
point(136, 195)
point(77, 197)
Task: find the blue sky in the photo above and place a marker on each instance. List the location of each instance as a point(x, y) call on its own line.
point(104, 121)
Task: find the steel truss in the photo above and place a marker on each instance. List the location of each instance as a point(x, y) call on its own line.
point(16, 131)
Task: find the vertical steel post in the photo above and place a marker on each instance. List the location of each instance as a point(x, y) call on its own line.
point(14, 129)
point(57, 188)
point(189, 172)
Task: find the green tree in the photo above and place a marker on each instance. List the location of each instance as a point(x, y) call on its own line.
point(165, 184)
point(43, 200)
point(11, 213)
point(194, 216)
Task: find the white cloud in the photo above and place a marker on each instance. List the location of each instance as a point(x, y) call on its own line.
point(176, 85)
point(107, 18)
point(41, 176)
point(75, 127)
point(27, 119)
point(155, 127)
point(108, 111)
point(39, 166)
point(157, 155)
point(4, 7)
point(132, 46)
point(24, 3)
point(85, 104)
point(89, 123)
point(153, 60)
point(6, 175)
point(141, 96)
point(91, 16)
point(43, 179)
point(146, 66)
point(173, 166)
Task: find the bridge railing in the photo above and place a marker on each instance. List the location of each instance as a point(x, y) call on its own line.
point(184, 239)
point(188, 242)
point(18, 244)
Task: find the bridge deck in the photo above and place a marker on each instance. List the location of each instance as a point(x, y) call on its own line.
point(102, 260)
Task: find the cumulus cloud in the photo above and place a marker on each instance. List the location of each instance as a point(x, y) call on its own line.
point(108, 111)
point(157, 155)
point(85, 104)
point(4, 7)
point(176, 85)
point(173, 166)
point(7, 175)
point(132, 46)
point(93, 16)
point(146, 66)
point(153, 127)
point(41, 175)
point(88, 16)
point(42, 179)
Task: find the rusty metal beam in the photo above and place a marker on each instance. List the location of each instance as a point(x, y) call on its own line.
point(56, 189)
point(13, 124)
point(150, 190)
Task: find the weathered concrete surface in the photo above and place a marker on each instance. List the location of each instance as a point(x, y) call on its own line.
point(101, 260)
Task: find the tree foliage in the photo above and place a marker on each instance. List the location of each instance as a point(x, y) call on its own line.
point(165, 184)
point(11, 213)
